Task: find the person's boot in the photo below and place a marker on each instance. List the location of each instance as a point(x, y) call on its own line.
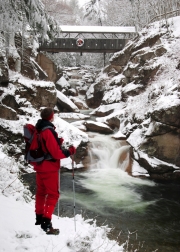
point(38, 219)
point(46, 225)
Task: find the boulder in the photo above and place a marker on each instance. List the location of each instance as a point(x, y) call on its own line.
point(38, 95)
point(10, 101)
point(7, 113)
point(160, 50)
point(102, 113)
point(169, 115)
point(112, 70)
point(118, 80)
point(119, 136)
point(157, 170)
point(98, 127)
point(112, 96)
point(79, 103)
point(158, 150)
point(95, 93)
point(132, 89)
point(54, 73)
point(64, 104)
point(72, 92)
point(62, 84)
point(164, 147)
point(113, 122)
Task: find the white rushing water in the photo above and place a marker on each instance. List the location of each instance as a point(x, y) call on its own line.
point(110, 185)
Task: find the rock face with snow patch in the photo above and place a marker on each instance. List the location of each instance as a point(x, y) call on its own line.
point(38, 95)
point(23, 92)
point(28, 66)
point(4, 74)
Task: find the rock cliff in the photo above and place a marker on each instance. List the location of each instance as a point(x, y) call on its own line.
point(146, 81)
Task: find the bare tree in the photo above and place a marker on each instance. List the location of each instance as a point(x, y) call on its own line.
point(63, 12)
point(94, 12)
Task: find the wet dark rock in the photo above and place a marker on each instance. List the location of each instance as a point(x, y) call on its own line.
point(10, 101)
point(95, 99)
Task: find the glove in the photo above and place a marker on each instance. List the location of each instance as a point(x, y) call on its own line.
point(72, 150)
point(61, 140)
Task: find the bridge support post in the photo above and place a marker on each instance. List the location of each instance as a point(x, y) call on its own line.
point(104, 59)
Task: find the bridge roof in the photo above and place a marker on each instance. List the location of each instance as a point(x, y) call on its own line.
point(97, 29)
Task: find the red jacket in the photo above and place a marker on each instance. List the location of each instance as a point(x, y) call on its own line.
point(55, 151)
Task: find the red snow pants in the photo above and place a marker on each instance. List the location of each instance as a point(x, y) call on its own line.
point(47, 193)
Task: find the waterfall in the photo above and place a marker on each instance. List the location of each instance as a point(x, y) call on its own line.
point(107, 153)
point(106, 177)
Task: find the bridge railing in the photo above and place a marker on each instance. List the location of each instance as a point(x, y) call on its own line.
point(166, 15)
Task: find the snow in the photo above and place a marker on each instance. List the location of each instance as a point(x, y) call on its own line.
point(80, 125)
point(131, 87)
point(14, 76)
point(119, 134)
point(73, 116)
point(176, 29)
point(20, 234)
point(138, 170)
point(109, 107)
point(117, 79)
point(113, 96)
point(99, 124)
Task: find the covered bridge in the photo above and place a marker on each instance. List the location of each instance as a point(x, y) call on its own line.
point(94, 39)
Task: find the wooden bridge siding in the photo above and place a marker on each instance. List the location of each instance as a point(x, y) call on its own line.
point(90, 45)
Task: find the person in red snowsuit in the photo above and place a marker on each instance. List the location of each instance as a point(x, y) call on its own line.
point(47, 172)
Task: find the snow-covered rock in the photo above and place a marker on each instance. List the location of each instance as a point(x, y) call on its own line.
point(65, 104)
point(62, 83)
point(98, 127)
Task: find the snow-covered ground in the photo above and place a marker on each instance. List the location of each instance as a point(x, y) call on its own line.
point(18, 232)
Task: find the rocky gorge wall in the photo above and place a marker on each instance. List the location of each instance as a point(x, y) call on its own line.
point(146, 77)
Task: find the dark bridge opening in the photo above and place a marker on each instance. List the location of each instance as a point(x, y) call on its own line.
point(89, 45)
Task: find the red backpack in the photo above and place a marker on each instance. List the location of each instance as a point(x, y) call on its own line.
point(34, 153)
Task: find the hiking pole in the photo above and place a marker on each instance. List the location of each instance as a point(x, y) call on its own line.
point(59, 192)
point(72, 157)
